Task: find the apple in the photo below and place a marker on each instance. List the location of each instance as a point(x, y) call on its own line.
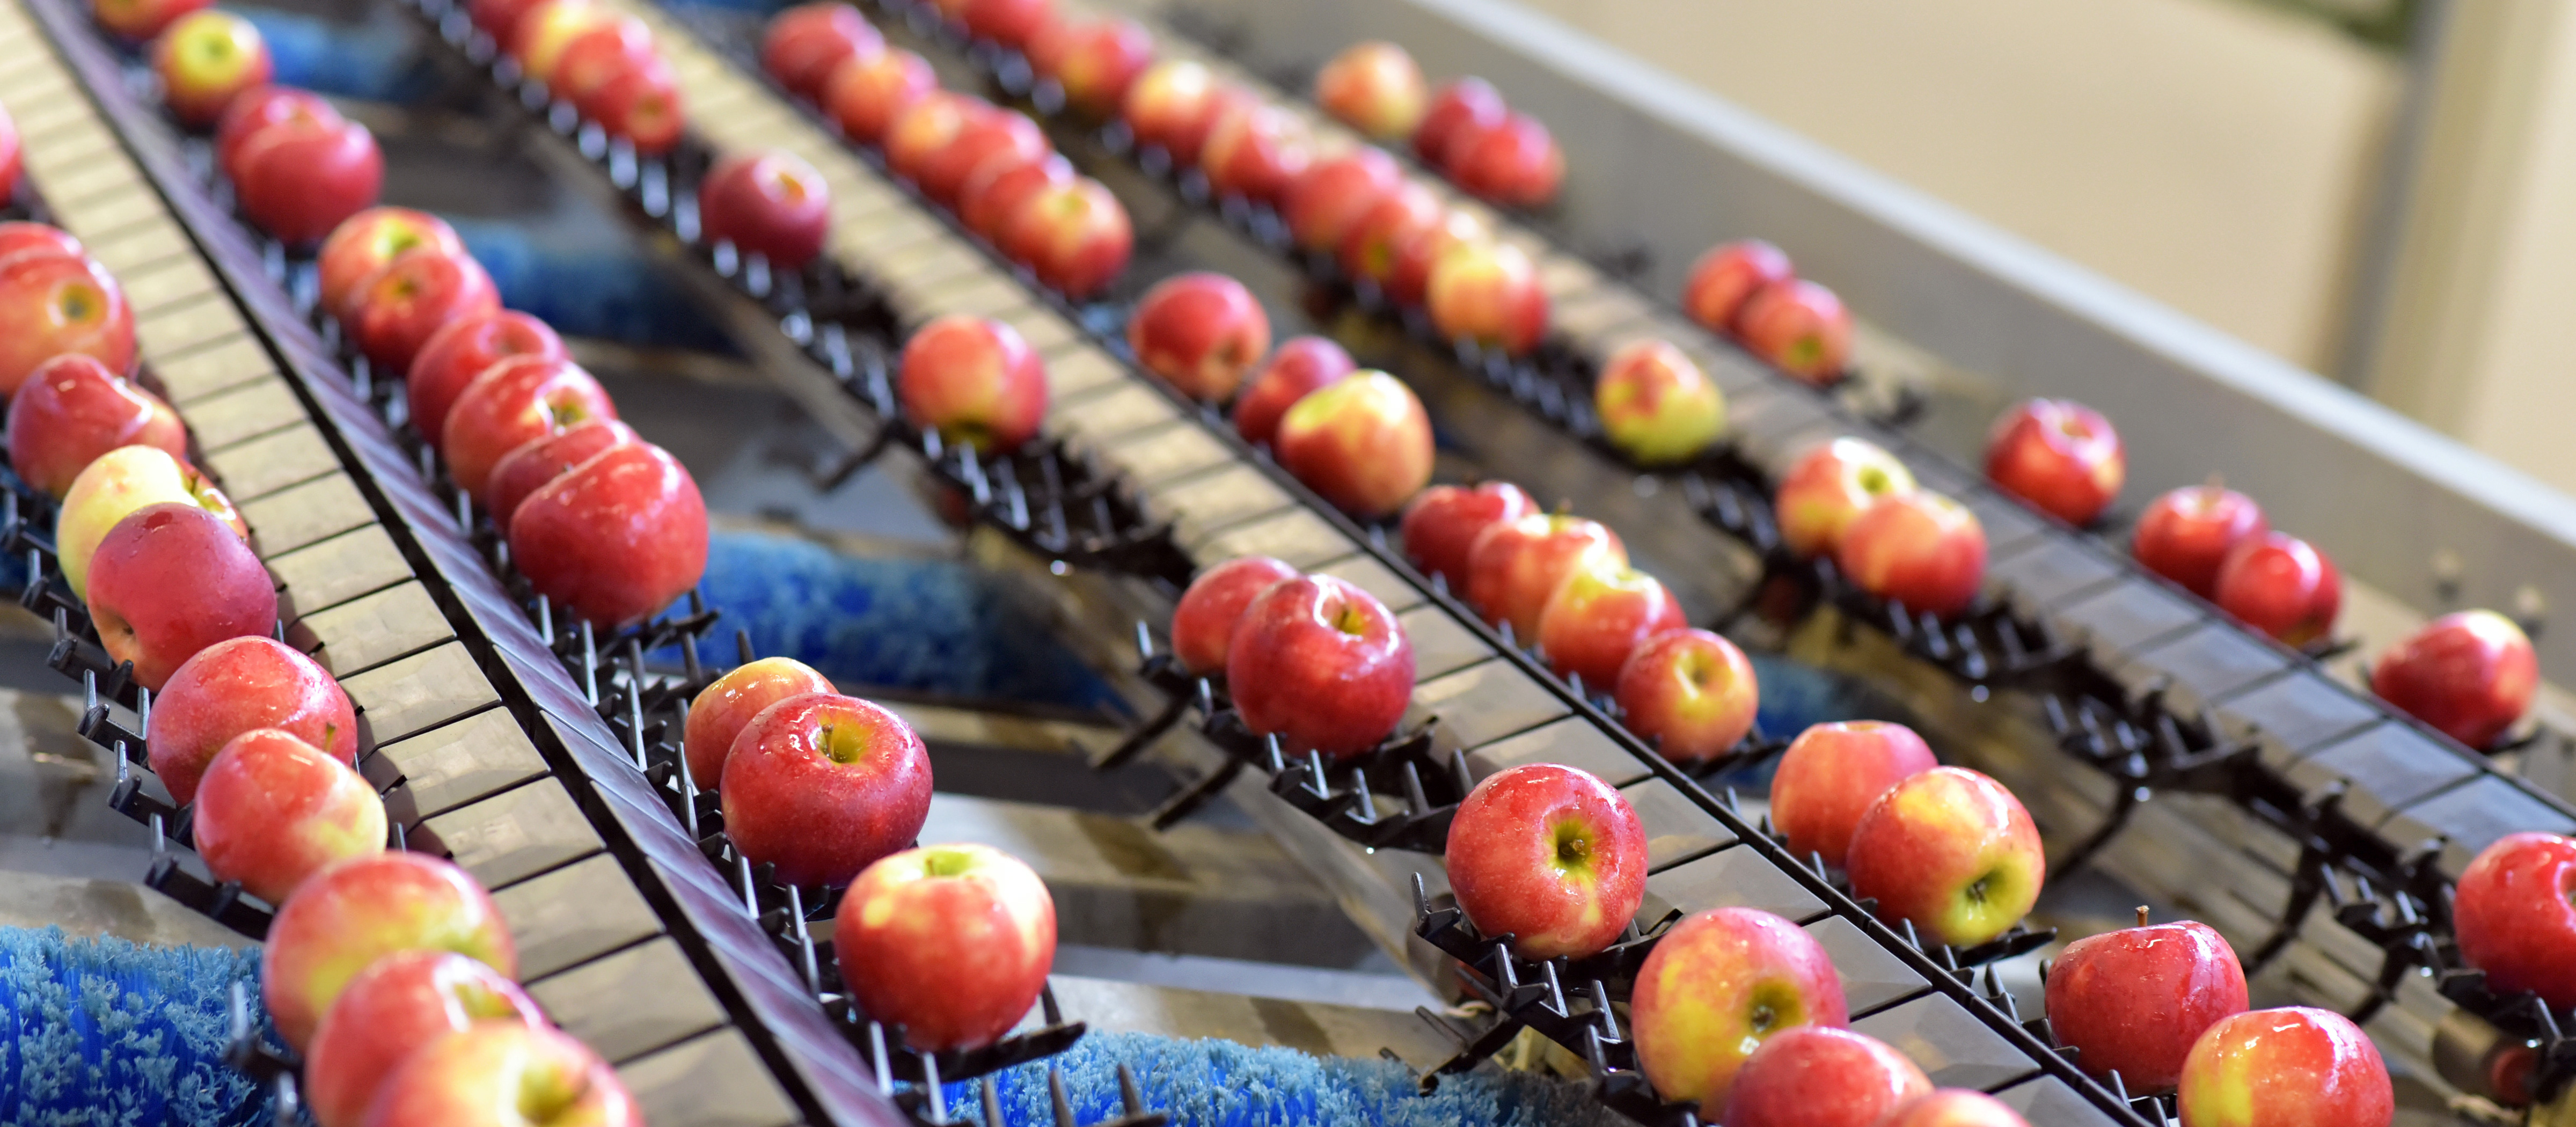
point(864, 95)
point(806, 43)
point(1727, 277)
point(2185, 534)
point(1203, 624)
point(1954, 1107)
point(769, 203)
point(11, 159)
point(512, 403)
point(1599, 616)
point(1012, 23)
point(51, 305)
point(2132, 1001)
point(1950, 850)
point(1074, 236)
point(353, 913)
point(272, 810)
point(73, 409)
point(1920, 548)
point(950, 942)
point(1372, 245)
point(170, 580)
point(18, 237)
point(1515, 566)
point(2470, 675)
point(1514, 162)
point(241, 685)
point(723, 709)
point(1800, 327)
point(257, 109)
point(1301, 365)
point(1818, 1076)
point(542, 34)
point(530, 465)
point(641, 104)
point(2513, 920)
point(986, 132)
point(994, 193)
point(1173, 104)
point(1409, 283)
point(1718, 985)
point(616, 538)
point(597, 56)
point(415, 296)
point(1656, 406)
point(1441, 523)
point(2059, 456)
point(298, 179)
point(205, 59)
point(370, 241)
point(1690, 690)
point(1457, 106)
point(504, 1073)
point(2290, 1067)
point(1321, 664)
point(1255, 151)
point(116, 484)
point(1374, 87)
point(1200, 332)
point(976, 382)
point(1093, 61)
point(821, 786)
point(399, 1003)
point(463, 349)
point(140, 20)
point(1828, 489)
point(2282, 586)
point(1327, 199)
point(1362, 443)
point(1550, 856)
point(500, 18)
point(1488, 293)
point(1832, 774)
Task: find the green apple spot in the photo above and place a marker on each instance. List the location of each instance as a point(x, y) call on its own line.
point(1573, 846)
point(946, 862)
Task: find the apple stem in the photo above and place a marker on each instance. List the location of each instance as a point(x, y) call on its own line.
point(2142, 915)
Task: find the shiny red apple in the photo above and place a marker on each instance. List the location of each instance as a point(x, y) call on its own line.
point(1322, 664)
point(950, 942)
point(1951, 851)
point(1324, 202)
point(2059, 456)
point(1362, 443)
point(1716, 986)
point(1818, 1076)
point(415, 296)
point(769, 203)
point(272, 810)
point(975, 381)
point(241, 685)
point(463, 349)
point(1549, 855)
point(2290, 1067)
point(1601, 614)
point(1727, 277)
point(723, 709)
point(1515, 566)
point(615, 539)
point(1203, 624)
point(821, 786)
point(2470, 675)
point(2282, 586)
point(1201, 332)
point(2186, 534)
point(1691, 691)
point(2134, 1000)
point(805, 44)
point(1458, 105)
point(1800, 327)
point(1301, 365)
point(1920, 548)
point(1832, 774)
point(71, 410)
point(399, 1003)
point(1442, 523)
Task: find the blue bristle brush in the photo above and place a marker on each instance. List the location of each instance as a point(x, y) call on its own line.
point(103, 1031)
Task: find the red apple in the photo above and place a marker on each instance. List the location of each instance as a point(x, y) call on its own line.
point(640, 103)
point(976, 382)
point(10, 157)
point(1173, 104)
point(504, 1073)
point(464, 349)
point(2059, 456)
point(1828, 489)
point(353, 913)
point(51, 306)
point(1374, 244)
point(1550, 856)
point(172, 579)
point(865, 95)
point(1362, 443)
point(1954, 1107)
point(241, 685)
point(821, 786)
point(204, 59)
point(512, 403)
point(2513, 919)
point(1374, 87)
point(806, 43)
point(1715, 987)
point(2134, 1000)
point(273, 810)
point(1409, 283)
point(994, 193)
point(1816, 1076)
point(616, 538)
point(529, 466)
point(1457, 106)
point(1201, 332)
point(1488, 293)
point(255, 110)
point(1690, 690)
point(597, 56)
point(1256, 151)
point(1301, 365)
point(951, 942)
point(1094, 61)
point(412, 298)
point(1656, 406)
point(987, 132)
point(1800, 327)
point(1011, 23)
point(1203, 624)
point(73, 409)
point(1920, 548)
point(723, 709)
point(2185, 534)
point(1322, 664)
point(770, 203)
point(2469, 675)
point(18, 237)
point(370, 241)
point(500, 18)
point(112, 487)
point(1442, 523)
point(298, 179)
point(1515, 566)
point(399, 1003)
point(1950, 850)
point(539, 40)
point(2282, 586)
point(1513, 162)
point(1327, 199)
point(1599, 616)
point(139, 20)
point(2290, 1067)
point(926, 128)
point(1832, 774)
point(1074, 236)
point(1727, 277)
